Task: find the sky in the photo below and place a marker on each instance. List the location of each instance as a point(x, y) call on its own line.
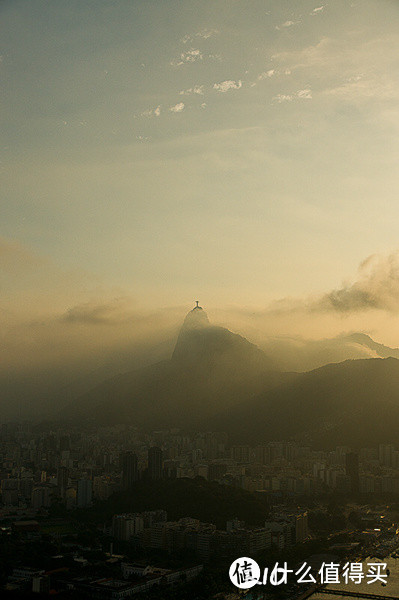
point(240, 152)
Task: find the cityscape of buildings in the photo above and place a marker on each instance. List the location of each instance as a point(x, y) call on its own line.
point(51, 470)
point(78, 467)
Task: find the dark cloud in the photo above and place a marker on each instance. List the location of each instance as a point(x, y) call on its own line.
point(376, 287)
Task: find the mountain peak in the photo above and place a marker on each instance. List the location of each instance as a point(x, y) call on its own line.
point(211, 367)
point(202, 345)
point(196, 318)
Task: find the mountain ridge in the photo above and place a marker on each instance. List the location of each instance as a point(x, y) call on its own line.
point(348, 403)
point(218, 380)
point(210, 366)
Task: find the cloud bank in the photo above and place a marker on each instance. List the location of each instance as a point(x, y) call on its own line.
point(376, 287)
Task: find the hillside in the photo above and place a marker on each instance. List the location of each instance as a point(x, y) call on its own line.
point(211, 369)
point(354, 403)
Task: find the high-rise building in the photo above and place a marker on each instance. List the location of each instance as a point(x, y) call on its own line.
point(240, 453)
point(216, 471)
point(9, 491)
point(41, 496)
point(85, 492)
point(130, 472)
point(352, 470)
point(41, 584)
point(301, 527)
point(385, 454)
point(64, 443)
point(262, 455)
point(155, 470)
point(126, 525)
point(62, 480)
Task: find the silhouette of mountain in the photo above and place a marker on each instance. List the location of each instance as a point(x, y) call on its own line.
point(298, 354)
point(218, 380)
point(211, 369)
point(354, 403)
point(380, 349)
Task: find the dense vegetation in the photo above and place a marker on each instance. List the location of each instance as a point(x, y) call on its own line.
point(210, 502)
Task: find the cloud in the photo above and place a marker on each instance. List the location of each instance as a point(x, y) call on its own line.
point(192, 55)
point(46, 354)
point(266, 74)
point(359, 88)
point(305, 94)
point(317, 10)
point(196, 89)
point(270, 73)
point(152, 112)
point(177, 108)
point(111, 313)
point(217, 57)
point(376, 287)
point(350, 68)
point(206, 33)
point(225, 86)
point(203, 34)
point(286, 25)
point(283, 98)
point(332, 55)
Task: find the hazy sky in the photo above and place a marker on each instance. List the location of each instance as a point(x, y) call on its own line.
point(238, 151)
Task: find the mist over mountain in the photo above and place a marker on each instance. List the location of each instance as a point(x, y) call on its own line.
point(299, 354)
point(218, 380)
point(211, 369)
point(38, 391)
point(211, 378)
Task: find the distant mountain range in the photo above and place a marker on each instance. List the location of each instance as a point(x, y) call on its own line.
point(353, 403)
point(299, 354)
point(218, 380)
point(211, 369)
